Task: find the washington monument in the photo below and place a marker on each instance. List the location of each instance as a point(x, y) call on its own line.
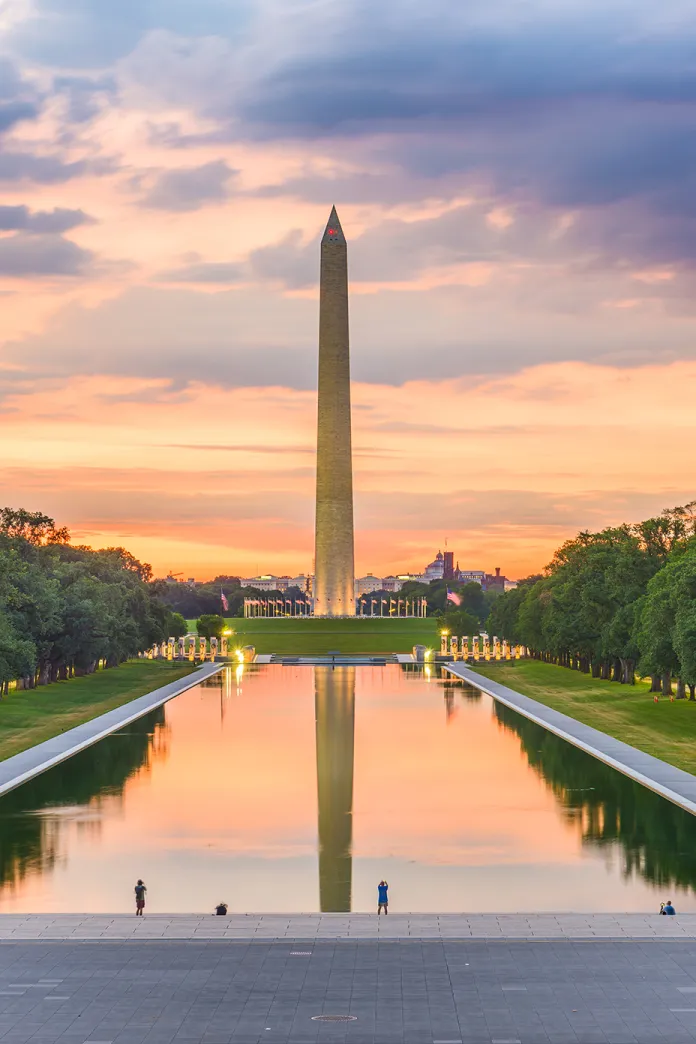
point(334, 569)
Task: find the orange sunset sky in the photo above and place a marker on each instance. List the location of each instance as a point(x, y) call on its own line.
point(516, 190)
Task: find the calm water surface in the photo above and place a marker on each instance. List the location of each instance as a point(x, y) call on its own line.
point(297, 788)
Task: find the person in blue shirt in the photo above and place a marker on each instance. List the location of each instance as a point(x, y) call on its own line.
point(667, 908)
point(382, 898)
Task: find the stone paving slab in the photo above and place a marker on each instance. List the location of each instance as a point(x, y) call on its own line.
point(459, 991)
point(22, 767)
point(672, 783)
point(347, 926)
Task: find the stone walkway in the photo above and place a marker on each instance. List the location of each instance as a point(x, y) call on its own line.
point(672, 783)
point(22, 767)
point(348, 926)
point(471, 991)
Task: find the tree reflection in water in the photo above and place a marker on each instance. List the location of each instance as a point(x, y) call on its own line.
point(30, 835)
point(657, 838)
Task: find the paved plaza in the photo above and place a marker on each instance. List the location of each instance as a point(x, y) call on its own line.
point(428, 991)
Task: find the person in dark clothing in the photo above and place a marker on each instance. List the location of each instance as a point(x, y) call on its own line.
point(667, 908)
point(221, 909)
point(140, 891)
point(382, 898)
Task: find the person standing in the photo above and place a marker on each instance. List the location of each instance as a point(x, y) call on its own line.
point(140, 891)
point(382, 898)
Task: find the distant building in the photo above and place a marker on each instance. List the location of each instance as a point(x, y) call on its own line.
point(441, 568)
point(367, 584)
point(269, 582)
point(468, 576)
point(435, 570)
point(494, 581)
point(370, 583)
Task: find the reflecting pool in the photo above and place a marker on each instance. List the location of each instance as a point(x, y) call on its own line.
point(290, 788)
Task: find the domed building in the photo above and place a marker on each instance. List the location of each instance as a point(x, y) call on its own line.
point(435, 570)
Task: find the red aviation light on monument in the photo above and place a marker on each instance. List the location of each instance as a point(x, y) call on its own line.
point(333, 232)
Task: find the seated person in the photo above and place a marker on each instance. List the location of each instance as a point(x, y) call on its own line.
point(221, 909)
point(667, 908)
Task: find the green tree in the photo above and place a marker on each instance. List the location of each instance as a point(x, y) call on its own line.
point(176, 626)
point(210, 625)
point(460, 622)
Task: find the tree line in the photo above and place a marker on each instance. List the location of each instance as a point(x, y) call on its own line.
point(65, 609)
point(614, 603)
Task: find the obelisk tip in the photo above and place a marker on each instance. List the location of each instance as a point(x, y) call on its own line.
point(333, 232)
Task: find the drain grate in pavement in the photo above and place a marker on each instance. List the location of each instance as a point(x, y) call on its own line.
point(334, 1018)
point(300, 953)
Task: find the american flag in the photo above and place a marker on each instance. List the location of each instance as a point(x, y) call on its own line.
point(225, 603)
point(452, 596)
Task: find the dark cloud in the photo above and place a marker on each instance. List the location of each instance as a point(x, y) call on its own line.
point(371, 69)
point(85, 96)
point(46, 170)
point(572, 108)
point(190, 187)
point(24, 255)
point(18, 99)
point(14, 112)
point(21, 218)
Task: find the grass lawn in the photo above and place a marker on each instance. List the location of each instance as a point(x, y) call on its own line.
point(31, 716)
point(666, 730)
point(298, 637)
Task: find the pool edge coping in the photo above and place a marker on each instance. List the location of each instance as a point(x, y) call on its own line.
point(539, 714)
point(51, 752)
point(309, 929)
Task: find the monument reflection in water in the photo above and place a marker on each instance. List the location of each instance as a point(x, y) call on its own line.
point(291, 788)
point(334, 702)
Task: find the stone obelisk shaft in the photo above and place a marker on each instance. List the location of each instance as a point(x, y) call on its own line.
point(334, 568)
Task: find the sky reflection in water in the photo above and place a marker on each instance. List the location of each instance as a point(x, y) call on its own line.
point(297, 789)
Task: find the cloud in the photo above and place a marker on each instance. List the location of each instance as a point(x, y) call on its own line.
point(46, 170)
point(471, 509)
point(21, 218)
point(16, 111)
point(190, 188)
point(257, 336)
point(85, 96)
point(221, 272)
point(293, 261)
point(74, 34)
point(454, 65)
point(18, 98)
point(566, 108)
point(230, 338)
point(24, 255)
